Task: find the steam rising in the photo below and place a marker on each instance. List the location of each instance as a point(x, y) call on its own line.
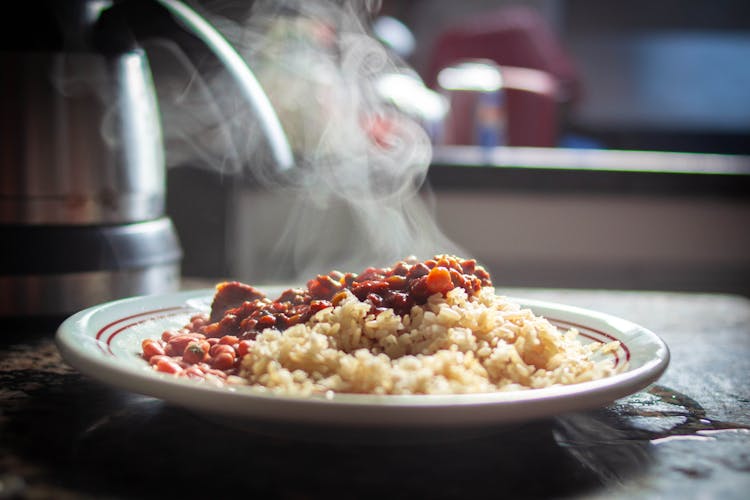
point(353, 198)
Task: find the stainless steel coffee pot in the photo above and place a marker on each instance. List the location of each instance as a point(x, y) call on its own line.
point(82, 173)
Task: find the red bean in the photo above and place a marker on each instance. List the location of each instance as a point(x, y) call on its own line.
point(401, 303)
point(418, 290)
point(196, 351)
point(363, 288)
point(375, 300)
point(417, 271)
point(484, 276)
point(369, 274)
point(193, 372)
point(323, 287)
point(167, 365)
point(266, 321)
point(279, 307)
point(223, 360)
point(457, 278)
point(198, 321)
point(396, 282)
point(157, 358)
point(400, 269)
point(178, 343)
point(243, 347)
point(151, 347)
point(219, 348)
point(319, 305)
point(249, 324)
point(468, 266)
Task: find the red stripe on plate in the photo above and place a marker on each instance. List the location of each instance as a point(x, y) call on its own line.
point(146, 313)
point(599, 332)
point(100, 333)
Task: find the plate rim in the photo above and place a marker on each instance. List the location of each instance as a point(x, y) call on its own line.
point(487, 407)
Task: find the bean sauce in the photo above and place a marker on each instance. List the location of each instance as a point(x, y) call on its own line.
point(213, 345)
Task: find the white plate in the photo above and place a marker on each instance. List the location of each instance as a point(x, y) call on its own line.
point(104, 343)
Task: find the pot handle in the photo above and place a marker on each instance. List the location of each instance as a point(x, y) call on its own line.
point(243, 76)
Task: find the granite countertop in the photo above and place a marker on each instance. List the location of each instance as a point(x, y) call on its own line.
point(64, 435)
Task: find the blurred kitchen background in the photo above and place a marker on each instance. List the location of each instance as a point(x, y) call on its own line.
point(618, 155)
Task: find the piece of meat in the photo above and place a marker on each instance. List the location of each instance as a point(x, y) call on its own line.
point(231, 294)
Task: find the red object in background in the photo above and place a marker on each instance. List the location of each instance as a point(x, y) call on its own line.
point(538, 73)
point(530, 105)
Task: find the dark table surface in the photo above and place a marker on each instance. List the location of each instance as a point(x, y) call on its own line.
point(64, 435)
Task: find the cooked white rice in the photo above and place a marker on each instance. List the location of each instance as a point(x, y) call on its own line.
point(451, 344)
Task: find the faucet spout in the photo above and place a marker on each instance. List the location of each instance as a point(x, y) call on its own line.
point(243, 76)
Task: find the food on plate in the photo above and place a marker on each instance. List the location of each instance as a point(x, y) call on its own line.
point(431, 327)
